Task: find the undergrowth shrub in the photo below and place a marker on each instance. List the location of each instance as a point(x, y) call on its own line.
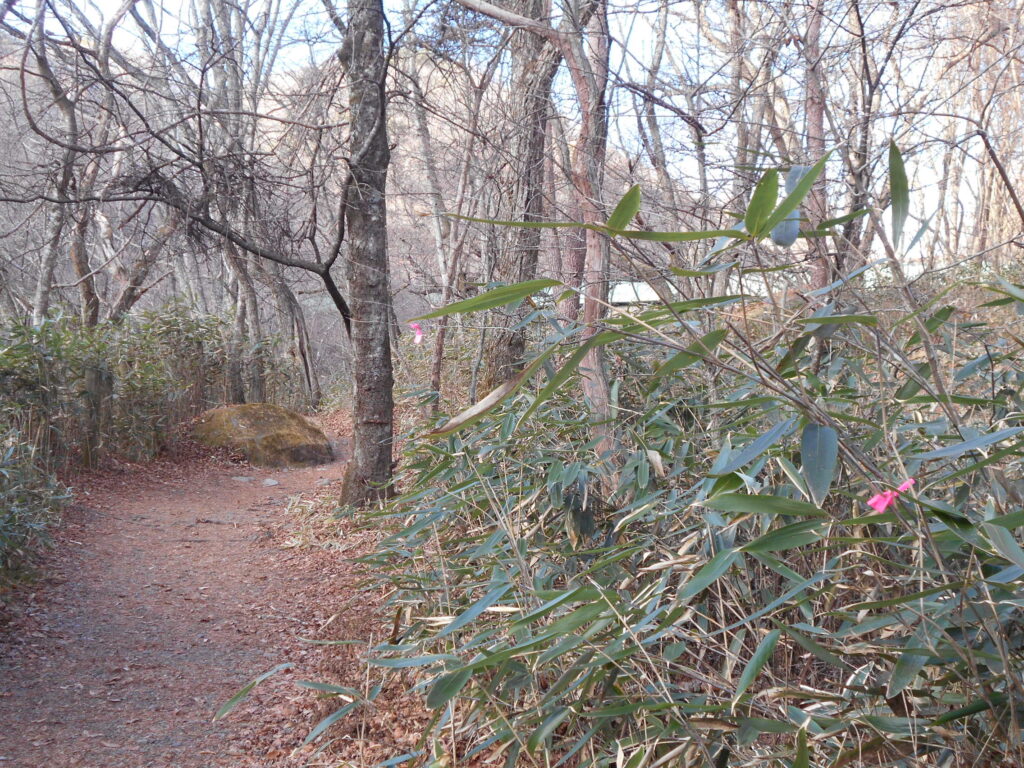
point(30, 499)
point(715, 590)
point(77, 394)
point(731, 600)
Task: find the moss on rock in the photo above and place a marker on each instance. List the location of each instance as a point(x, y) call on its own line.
point(268, 435)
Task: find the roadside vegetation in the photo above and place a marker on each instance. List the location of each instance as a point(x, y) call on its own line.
point(717, 590)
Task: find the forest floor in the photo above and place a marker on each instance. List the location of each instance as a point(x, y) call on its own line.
point(172, 584)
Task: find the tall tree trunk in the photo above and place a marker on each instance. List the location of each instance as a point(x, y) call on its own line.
point(369, 473)
point(90, 309)
point(590, 79)
point(439, 225)
point(574, 244)
point(817, 206)
point(585, 51)
point(292, 321)
point(249, 324)
point(236, 346)
point(535, 62)
point(44, 281)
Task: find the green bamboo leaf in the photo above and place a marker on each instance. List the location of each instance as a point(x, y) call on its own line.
point(544, 730)
point(778, 602)
point(761, 203)
point(812, 647)
point(976, 444)
point(976, 465)
point(579, 594)
point(246, 689)
point(680, 237)
point(787, 537)
point(480, 409)
point(872, 605)
point(705, 271)
point(696, 351)
point(803, 752)
point(908, 665)
point(1009, 289)
point(637, 759)
point(840, 320)
point(955, 399)
point(827, 224)
point(475, 610)
point(899, 189)
point(1011, 521)
point(844, 280)
point(913, 386)
point(328, 721)
point(561, 376)
point(990, 701)
point(403, 662)
point(496, 297)
point(758, 446)
point(710, 571)
point(1005, 543)
point(757, 662)
point(760, 505)
point(625, 210)
point(921, 232)
point(793, 200)
point(764, 725)
point(447, 686)
point(819, 453)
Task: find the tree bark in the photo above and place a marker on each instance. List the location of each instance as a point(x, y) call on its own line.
point(535, 62)
point(369, 473)
point(590, 77)
point(817, 206)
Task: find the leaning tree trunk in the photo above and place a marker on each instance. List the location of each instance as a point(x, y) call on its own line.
point(369, 472)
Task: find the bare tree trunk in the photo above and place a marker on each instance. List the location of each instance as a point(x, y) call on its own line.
point(90, 309)
point(236, 345)
point(439, 225)
point(535, 63)
point(293, 323)
point(369, 474)
point(586, 54)
point(249, 325)
point(574, 253)
point(135, 278)
point(44, 282)
point(590, 77)
point(817, 207)
point(9, 309)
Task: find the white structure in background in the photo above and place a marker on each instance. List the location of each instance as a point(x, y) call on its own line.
point(626, 293)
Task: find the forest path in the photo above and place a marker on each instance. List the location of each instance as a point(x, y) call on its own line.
point(168, 590)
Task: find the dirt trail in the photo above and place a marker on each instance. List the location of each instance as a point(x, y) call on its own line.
point(165, 594)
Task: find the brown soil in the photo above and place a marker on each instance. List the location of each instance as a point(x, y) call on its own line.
point(171, 585)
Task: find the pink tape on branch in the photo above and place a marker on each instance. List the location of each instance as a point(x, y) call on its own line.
point(416, 329)
point(881, 501)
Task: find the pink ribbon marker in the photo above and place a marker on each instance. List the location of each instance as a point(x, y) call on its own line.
point(416, 329)
point(880, 501)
